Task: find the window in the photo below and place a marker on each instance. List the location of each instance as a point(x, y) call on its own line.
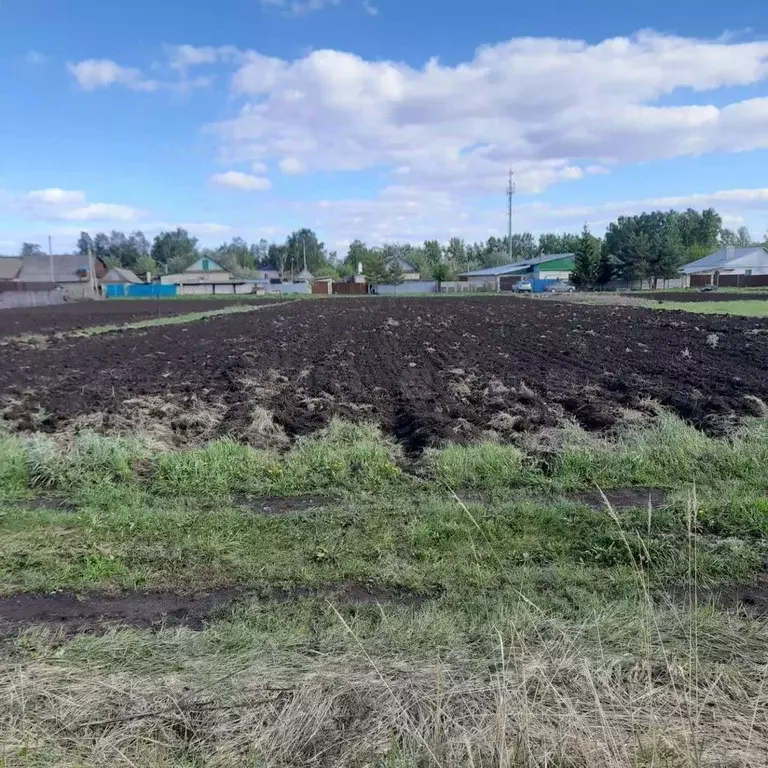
point(206, 265)
point(748, 272)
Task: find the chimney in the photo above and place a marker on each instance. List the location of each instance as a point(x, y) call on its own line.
point(730, 253)
point(359, 267)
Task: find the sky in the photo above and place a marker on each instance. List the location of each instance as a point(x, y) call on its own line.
point(383, 120)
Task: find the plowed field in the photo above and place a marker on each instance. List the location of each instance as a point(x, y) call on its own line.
point(90, 314)
point(427, 370)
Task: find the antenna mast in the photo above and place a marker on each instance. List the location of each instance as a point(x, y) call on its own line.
point(510, 195)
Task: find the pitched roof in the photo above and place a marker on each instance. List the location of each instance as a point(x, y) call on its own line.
point(517, 266)
point(121, 275)
point(66, 268)
point(406, 265)
point(747, 257)
point(9, 267)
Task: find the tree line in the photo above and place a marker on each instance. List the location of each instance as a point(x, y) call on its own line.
point(648, 246)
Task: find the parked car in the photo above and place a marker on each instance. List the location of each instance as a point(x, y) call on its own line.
point(560, 288)
point(524, 286)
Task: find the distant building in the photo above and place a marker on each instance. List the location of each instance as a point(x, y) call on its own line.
point(554, 266)
point(9, 267)
point(204, 277)
point(305, 276)
point(268, 273)
point(729, 266)
point(410, 272)
point(70, 272)
point(120, 275)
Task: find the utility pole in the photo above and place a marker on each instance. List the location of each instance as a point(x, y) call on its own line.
point(50, 259)
point(510, 195)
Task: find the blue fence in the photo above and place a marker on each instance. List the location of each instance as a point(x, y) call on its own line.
point(144, 291)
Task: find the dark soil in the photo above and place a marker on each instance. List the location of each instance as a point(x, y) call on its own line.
point(427, 369)
point(92, 314)
point(622, 499)
point(750, 599)
point(685, 296)
point(74, 614)
point(97, 612)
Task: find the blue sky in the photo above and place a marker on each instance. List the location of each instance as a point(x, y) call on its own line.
point(378, 119)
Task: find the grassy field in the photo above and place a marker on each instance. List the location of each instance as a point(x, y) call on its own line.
point(471, 608)
point(757, 308)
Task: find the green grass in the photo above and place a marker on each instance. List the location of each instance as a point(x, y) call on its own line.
point(746, 308)
point(507, 616)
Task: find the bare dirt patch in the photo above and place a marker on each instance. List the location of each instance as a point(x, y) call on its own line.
point(72, 613)
point(97, 612)
point(749, 599)
point(622, 499)
point(449, 370)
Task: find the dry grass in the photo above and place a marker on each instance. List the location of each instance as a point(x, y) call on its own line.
point(544, 701)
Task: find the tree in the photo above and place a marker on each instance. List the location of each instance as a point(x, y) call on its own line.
point(31, 249)
point(145, 264)
point(456, 253)
point(743, 238)
point(441, 273)
point(606, 268)
point(299, 242)
point(551, 243)
point(394, 275)
point(277, 256)
point(727, 237)
point(84, 242)
point(586, 263)
point(433, 254)
point(175, 250)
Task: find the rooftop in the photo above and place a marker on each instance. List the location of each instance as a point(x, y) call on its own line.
point(746, 258)
point(517, 266)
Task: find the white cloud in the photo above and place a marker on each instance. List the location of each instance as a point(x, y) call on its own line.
point(553, 109)
point(259, 167)
point(291, 165)
point(300, 7)
point(184, 56)
point(245, 182)
point(370, 8)
point(101, 73)
point(70, 205)
point(36, 58)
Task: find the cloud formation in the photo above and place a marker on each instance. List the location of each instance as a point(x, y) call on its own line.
point(244, 182)
point(70, 205)
point(93, 74)
point(555, 110)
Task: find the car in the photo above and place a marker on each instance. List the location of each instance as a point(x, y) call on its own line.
point(560, 288)
point(524, 286)
point(707, 288)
